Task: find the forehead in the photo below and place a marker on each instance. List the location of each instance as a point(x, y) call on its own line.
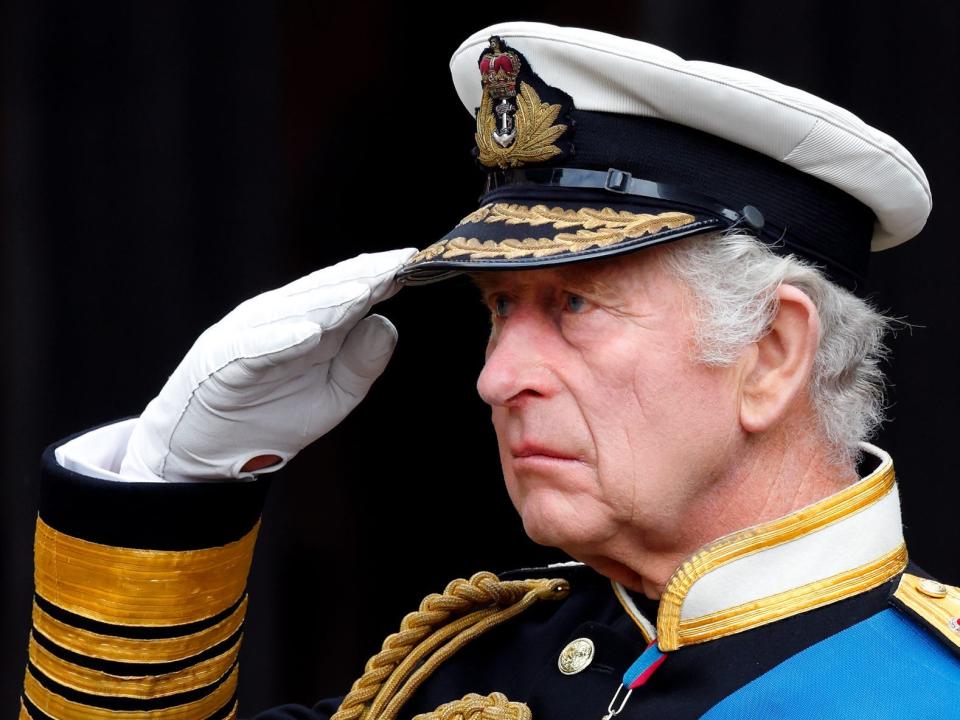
point(620, 275)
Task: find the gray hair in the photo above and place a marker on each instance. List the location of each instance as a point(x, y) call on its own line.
point(734, 278)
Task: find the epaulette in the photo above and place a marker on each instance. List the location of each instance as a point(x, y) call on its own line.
point(933, 605)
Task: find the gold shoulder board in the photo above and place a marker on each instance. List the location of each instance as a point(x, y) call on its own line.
point(935, 604)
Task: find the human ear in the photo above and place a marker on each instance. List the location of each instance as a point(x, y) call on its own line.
point(777, 370)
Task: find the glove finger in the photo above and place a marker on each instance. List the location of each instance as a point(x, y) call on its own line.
point(334, 310)
point(323, 306)
point(385, 285)
point(278, 346)
point(369, 268)
point(360, 295)
point(362, 359)
point(376, 289)
point(337, 323)
point(327, 288)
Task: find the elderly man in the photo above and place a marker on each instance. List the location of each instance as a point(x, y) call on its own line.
point(681, 378)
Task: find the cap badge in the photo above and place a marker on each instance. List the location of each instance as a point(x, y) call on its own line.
point(498, 74)
point(514, 128)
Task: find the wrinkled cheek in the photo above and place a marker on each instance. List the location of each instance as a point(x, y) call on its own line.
point(631, 440)
point(506, 459)
point(513, 488)
point(499, 421)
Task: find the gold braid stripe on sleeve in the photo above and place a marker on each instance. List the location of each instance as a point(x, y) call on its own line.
point(63, 709)
point(95, 682)
point(135, 634)
point(127, 586)
point(136, 650)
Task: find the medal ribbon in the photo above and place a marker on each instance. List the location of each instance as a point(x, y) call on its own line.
point(644, 666)
point(635, 676)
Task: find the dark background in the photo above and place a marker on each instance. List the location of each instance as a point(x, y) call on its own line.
point(163, 161)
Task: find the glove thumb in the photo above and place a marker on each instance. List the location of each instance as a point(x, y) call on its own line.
point(363, 357)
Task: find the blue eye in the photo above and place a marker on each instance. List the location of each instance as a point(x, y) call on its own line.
point(575, 303)
point(501, 306)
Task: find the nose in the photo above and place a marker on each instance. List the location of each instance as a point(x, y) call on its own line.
point(518, 364)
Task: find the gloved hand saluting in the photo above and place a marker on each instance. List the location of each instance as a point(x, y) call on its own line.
point(272, 376)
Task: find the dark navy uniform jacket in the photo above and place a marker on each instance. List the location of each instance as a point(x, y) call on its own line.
point(140, 603)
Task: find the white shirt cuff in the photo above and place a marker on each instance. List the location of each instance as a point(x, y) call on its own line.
point(98, 453)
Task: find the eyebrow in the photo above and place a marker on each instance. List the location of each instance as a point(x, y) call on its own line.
point(484, 282)
point(568, 274)
point(479, 279)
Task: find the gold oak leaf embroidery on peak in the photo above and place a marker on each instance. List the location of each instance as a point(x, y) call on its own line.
point(476, 216)
point(598, 228)
point(536, 131)
point(428, 253)
point(559, 218)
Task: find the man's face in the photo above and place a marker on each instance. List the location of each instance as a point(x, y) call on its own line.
point(606, 424)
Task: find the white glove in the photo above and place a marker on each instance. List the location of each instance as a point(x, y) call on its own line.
point(272, 376)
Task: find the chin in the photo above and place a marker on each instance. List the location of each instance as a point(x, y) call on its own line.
point(562, 523)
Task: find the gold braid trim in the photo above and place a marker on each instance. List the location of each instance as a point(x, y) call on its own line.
point(443, 624)
point(131, 586)
point(494, 706)
point(774, 533)
point(133, 650)
point(144, 687)
point(558, 217)
point(939, 610)
point(59, 707)
point(598, 228)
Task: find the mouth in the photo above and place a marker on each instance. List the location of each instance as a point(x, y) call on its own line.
point(534, 452)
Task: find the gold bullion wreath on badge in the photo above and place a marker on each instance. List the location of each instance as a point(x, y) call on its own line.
point(511, 133)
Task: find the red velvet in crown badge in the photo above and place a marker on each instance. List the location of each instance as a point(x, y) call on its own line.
point(514, 125)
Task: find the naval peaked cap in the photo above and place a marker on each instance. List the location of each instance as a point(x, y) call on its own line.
point(595, 144)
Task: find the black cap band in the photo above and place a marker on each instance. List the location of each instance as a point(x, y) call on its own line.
point(802, 214)
point(621, 183)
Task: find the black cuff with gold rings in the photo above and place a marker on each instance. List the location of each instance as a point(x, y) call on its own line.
point(140, 596)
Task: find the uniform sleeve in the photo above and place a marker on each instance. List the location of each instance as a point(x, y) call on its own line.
point(140, 597)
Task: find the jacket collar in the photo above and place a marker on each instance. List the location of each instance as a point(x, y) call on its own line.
point(842, 545)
